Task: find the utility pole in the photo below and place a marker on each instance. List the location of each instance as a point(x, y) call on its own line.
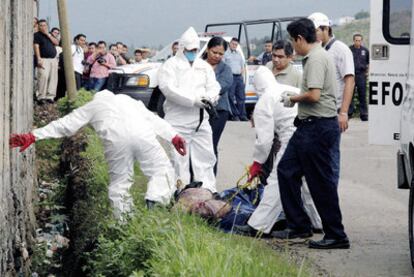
point(67, 52)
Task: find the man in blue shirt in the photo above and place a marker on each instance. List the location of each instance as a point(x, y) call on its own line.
point(237, 91)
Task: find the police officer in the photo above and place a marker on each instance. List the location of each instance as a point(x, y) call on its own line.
point(361, 62)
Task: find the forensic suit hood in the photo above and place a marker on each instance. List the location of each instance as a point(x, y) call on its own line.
point(189, 40)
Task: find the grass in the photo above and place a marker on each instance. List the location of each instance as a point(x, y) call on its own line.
point(162, 243)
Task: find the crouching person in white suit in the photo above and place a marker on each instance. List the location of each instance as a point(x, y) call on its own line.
point(128, 132)
point(272, 117)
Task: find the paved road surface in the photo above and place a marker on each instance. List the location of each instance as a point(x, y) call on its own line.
point(374, 210)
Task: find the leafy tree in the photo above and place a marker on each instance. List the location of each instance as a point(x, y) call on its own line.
point(361, 14)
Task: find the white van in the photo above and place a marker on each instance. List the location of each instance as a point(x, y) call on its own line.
point(391, 88)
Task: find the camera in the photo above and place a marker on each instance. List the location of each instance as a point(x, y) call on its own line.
point(84, 62)
point(101, 60)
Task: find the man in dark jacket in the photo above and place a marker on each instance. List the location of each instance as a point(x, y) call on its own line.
point(361, 62)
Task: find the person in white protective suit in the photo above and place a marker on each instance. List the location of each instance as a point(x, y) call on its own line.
point(186, 82)
point(128, 132)
point(270, 118)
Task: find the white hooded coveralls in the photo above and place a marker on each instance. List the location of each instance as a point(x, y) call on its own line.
point(128, 132)
point(270, 117)
point(183, 85)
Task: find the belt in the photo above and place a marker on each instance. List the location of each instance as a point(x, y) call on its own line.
point(311, 119)
point(236, 74)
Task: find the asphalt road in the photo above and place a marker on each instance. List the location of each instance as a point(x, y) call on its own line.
point(374, 210)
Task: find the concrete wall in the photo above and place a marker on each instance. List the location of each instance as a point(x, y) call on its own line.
point(16, 114)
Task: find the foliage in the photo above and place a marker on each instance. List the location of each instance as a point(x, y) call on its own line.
point(163, 243)
point(346, 32)
point(83, 96)
point(361, 15)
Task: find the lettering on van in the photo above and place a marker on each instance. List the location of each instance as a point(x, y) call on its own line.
point(384, 93)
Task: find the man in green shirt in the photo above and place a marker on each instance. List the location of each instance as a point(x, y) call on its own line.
point(281, 64)
point(313, 150)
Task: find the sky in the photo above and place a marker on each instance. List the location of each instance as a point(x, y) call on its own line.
point(158, 22)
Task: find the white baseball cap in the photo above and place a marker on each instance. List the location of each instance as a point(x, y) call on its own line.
point(319, 19)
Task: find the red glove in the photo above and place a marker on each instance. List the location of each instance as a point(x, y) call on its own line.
point(179, 144)
point(21, 140)
point(254, 170)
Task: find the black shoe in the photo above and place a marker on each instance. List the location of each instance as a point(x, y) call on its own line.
point(317, 230)
point(245, 230)
point(150, 204)
point(235, 118)
point(364, 118)
point(280, 225)
point(330, 244)
point(244, 118)
point(290, 234)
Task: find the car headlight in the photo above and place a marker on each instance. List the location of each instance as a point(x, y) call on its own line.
point(141, 81)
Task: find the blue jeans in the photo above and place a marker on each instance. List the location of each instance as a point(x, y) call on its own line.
point(97, 84)
point(237, 96)
point(313, 152)
point(217, 126)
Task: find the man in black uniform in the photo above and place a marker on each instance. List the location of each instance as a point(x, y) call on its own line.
point(361, 62)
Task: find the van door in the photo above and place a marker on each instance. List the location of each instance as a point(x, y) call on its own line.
point(389, 59)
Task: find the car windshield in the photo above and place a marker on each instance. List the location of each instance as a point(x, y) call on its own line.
point(165, 53)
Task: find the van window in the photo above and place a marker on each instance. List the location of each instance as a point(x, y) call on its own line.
point(397, 21)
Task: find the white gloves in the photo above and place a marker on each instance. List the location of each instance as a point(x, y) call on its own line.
point(198, 101)
point(285, 99)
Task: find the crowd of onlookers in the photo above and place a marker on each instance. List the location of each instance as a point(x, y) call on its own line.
point(91, 61)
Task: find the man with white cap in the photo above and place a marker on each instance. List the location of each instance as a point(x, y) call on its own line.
point(187, 83)
point(272, 117)
point(344, 65)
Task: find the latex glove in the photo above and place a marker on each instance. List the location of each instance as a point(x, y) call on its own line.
point(21, 140)
point(179, 144)
point(214, 100)
point(254, 170)
point(285, 99)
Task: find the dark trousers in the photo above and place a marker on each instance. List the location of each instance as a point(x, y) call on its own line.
point(217, 125)
point(361, 89)
point(78, 80)
point(313, 152)
point(237, 96)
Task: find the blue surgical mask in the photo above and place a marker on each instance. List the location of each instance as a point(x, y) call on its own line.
point(190, 55)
